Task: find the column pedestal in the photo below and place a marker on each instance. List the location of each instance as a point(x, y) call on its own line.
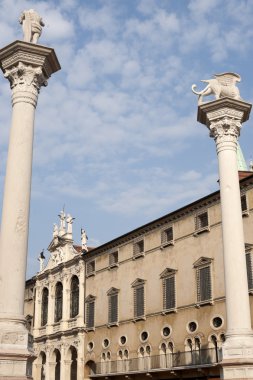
point(27, 67)
point(224, 118)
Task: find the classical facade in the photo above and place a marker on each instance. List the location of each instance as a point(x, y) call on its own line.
point(149, 303)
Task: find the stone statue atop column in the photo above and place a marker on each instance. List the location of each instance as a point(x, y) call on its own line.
point(84, 239)
point(70, 221)
point(62, 229)
point(55, 231)
point(32, 25)
point(41, 259)
point(221, 86)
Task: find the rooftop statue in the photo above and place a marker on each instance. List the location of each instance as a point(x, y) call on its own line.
point(32, 25)
point(222, 85)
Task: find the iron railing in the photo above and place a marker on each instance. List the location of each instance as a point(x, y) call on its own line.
point(158, 362)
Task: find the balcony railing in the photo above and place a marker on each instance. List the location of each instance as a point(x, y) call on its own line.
point(158, 362)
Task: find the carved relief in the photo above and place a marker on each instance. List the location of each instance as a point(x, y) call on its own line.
point(26, 78)
point(224, 128)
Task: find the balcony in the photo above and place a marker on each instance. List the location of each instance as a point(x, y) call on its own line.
point(178, 360)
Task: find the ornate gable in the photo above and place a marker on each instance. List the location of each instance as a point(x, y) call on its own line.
point(138, 282)
point(202, 261)
point(168, 272)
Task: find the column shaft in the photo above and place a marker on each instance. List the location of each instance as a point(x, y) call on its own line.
point(15, 215)
point(237, 299)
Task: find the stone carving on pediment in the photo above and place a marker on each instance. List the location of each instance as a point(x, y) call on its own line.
point(57, 256)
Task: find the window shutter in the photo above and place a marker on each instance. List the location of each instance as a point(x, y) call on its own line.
point(138, 247)
point(139, 301)
point(201, 220)
point(169, 296)
point(244, 203)
point(113, 258)
point(205, 287)
point(249, 270)
point(90, 312)
point(167, 235)
point(113, 308)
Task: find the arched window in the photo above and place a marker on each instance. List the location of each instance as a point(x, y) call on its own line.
point(58, 302)
point(74, 297)
point(73, 367)
point(57, 370)
point(44, 307)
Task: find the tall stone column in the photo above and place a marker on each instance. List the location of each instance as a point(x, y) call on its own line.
point(27, 67)
point(224, 118)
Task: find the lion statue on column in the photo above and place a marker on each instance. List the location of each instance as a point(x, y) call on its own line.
point(222, 85)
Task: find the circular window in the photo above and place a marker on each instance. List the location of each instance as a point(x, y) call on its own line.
point(217, 322)
point(106, 343)
point(90, 346)
point(192, 326)
point(122, 340)
point(166, 331)
point(144, 336)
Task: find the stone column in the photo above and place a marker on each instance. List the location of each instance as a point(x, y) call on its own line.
point(81, 294)
point(224, 118)
point(27, 67)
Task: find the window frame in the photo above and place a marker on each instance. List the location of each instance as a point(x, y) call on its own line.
point(92, 271)
point(137, 285)
point(164, 236)
point(112, 262)
point(249, 254)
point(203, 263)
point(90, 300)
point(197, 220)
point(44, 310)
point(74, 298)
point(58, 304)
point(168, 273)
point(138, 252)
point(113, 292)
point(244, 198)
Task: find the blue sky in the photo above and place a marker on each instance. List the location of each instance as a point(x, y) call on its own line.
point(116, 137)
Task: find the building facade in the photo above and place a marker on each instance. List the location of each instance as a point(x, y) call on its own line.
point(148, 303)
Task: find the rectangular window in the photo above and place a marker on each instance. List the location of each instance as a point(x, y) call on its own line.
point(113, 308)
point(244, 204)
point(204, 284)
point(90, 270)
point(201, 221)
point(113, 259)
point(139, 309)
point(138, 248)
point(249, 270)
point(90, 314)
point(167, 236)
point(169, 293)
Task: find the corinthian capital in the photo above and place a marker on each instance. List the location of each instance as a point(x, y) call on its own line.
point(25, 82)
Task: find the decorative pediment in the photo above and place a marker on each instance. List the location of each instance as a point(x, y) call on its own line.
point(202, 261)
point(168, 272)
point(138, 282)
point(112, 291)
point(248, 247)
point(90, 298)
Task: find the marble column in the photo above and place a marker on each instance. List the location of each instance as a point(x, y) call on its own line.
point(27, 67)
point(224, 118)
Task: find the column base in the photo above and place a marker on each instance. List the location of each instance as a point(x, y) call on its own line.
point(16, 352)
point(237, 356)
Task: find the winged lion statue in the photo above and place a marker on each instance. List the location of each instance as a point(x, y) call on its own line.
point(221, 85)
